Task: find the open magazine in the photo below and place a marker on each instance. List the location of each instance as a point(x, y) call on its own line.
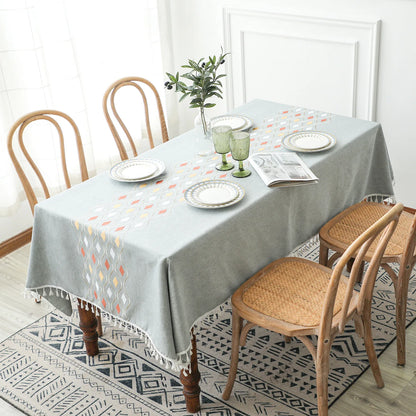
point(282, 169)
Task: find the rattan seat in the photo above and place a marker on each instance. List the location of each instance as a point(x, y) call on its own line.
point(350, 224)
point(338, 233)
point(301, 287)
point(299, 298)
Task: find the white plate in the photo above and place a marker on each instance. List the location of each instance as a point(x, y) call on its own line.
point(137, 170)
point(236, 122)
point(308, 141)
point(214, 194)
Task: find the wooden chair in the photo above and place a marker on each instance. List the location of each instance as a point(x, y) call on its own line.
point(108, 101)
point(299, 298)
point(341, 230)
point(57, 119)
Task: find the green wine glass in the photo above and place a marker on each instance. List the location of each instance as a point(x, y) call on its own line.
point(240, 148)
point(221, 136)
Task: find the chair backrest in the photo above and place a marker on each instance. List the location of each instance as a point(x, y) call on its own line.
point(408, 259)
point(383, 228)
point(56, 119)
point(109, 107)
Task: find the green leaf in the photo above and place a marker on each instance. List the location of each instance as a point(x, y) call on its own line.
point(184, 96)
point(209, 105)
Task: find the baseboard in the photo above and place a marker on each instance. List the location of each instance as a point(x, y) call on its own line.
point(15, 242)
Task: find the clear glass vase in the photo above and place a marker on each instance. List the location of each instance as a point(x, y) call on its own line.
point(204, 144)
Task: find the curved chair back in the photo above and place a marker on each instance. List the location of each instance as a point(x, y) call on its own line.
point(56, 119)
point(379, 233)
point(111, 113)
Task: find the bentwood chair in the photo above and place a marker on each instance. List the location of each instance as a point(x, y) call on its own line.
point(60, 122)
point(341, 230)
point(112, 115)
point(300, 298)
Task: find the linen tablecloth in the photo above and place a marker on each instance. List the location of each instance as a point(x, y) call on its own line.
point(140, 253)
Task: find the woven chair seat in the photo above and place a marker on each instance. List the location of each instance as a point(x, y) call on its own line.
point(292, 290)
point(348, 225)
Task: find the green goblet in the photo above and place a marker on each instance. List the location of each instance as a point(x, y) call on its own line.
point(221, 137)
point(240, 147)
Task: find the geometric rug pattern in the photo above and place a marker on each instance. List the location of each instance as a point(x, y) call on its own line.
point(44, 369)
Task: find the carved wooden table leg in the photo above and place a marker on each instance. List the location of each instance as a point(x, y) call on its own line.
point(190, 382)
point(88, 325)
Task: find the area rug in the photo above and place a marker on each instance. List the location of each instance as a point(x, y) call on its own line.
point(44, 369)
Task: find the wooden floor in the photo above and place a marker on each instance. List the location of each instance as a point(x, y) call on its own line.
point(397, 398)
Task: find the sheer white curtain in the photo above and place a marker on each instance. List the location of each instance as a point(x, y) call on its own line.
point(63, 54)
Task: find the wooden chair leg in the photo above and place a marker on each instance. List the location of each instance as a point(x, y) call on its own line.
point(401, 305)
point(371, 352)
point(235, 347)
point(190, 382)
point(322, 372)
point(323, 255)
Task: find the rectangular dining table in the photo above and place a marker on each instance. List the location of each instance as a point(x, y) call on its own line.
point(138, 253)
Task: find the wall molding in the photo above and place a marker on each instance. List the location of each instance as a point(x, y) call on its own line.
point(362, 36)
point(15, 242)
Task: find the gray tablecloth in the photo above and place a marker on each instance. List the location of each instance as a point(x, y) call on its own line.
point(139, 252)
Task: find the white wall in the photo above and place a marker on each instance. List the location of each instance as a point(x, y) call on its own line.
point(380, 54)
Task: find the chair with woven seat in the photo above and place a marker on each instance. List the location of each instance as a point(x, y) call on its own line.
point(300, 298)
point(341, 230)
point(60, 122)
point(109, 107)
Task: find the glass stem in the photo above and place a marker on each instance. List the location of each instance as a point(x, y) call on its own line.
point(224, 159)
point(240, 165)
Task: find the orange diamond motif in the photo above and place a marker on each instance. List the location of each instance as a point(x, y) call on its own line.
point(104, 302)
point(95, 295)
point(162, 211)
point(93, 218)
point(107, 264)
point(121, 270)
point(118, 308)
point(122, 197)
point(120, 228)
point(106, 223)
point(82, 252)
point(93, 258)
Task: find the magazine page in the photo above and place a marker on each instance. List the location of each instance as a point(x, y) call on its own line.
point(282, 169)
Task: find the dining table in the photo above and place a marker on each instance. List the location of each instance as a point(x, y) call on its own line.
point(137, 253)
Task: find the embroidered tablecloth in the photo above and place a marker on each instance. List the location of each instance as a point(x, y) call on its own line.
point(141, 254)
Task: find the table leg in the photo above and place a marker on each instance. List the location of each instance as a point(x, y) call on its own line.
point(88, 325)
point(190, 382)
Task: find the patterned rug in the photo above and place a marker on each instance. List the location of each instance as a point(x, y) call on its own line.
point(44, 370)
